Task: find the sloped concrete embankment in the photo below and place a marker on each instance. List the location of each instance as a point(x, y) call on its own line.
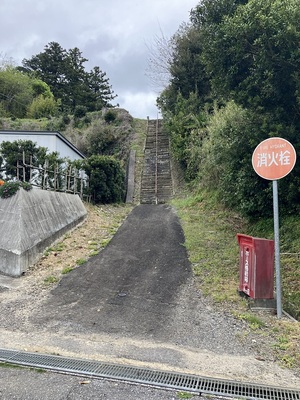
point(30, 222)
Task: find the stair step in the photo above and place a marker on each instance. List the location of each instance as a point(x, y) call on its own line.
point(156, 184)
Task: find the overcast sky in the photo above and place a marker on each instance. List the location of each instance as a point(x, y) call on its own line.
point(113, 34)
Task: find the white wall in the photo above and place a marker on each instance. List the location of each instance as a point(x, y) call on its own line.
point(54, 141)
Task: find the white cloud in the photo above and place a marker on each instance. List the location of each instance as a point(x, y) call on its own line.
point(139, 104)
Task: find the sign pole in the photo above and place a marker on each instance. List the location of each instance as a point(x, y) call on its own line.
point(277, 248)
point(273, 159)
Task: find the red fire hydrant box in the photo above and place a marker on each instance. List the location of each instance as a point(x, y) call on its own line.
point(256, 267)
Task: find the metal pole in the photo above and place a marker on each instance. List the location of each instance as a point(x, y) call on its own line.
point(156, 161)
point(277, 248)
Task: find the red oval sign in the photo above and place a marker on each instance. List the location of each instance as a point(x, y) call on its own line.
point(274, 158)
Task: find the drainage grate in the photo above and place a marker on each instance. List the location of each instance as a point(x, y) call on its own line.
point(171, 380)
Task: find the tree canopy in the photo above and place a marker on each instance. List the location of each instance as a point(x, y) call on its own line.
point(252, 56)
point(64, 72)
point(22, 95)
point(235, 81)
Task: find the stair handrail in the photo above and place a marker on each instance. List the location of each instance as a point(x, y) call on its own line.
point(156, 161)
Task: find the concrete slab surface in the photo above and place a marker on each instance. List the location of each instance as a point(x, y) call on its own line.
point(30, 222)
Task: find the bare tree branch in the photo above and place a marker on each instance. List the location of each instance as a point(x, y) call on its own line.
point(159, 61)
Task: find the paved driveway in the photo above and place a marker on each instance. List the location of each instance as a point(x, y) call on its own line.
point(130, 288)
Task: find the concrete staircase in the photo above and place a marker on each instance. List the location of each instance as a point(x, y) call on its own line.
point(156, 185)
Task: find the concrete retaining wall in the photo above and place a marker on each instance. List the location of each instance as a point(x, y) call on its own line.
point(32, 221)
point(130, 177)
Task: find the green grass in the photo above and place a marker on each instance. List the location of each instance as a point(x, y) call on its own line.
point(58, 247)
point(282, 343)
point(15, 366)
point(80, 261)
point(140, 126)
point(8, 365)
point(66, 270)
point(104, 242)
point(184, 395)
point(253, 321)
point(210, 234)
point(94, 253)
point(210, 239)
point(50, 280)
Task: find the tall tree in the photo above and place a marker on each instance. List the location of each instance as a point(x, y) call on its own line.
point(210, 13)
point(50, 67)
point(75, 87)
point(253, 57)
point(187, 72)
point(65, 73)
point(100, 88)
point(249, 52)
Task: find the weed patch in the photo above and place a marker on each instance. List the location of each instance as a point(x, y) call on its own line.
point(253, 321)
point(66, 270)
point(50, 280)
point(184, 395)
point(80, 261)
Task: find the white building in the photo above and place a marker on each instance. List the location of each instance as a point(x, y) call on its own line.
point(53, 141)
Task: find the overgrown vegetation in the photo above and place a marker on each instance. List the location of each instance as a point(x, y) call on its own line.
point(105, 137)
point(210, 232)
point(52, 91)
point(23, 95)
point(53, 82)
point(8, 189)
point(91, 133)
point(234, 81)
point(210, 239)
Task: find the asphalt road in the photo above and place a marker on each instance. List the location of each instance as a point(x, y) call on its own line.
point(132, 286)
point(24, 384)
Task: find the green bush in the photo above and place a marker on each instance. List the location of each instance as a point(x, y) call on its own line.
point(42, 107)
point(102, 139)
point(12, 152)
point(80, 111)
point(110, 116)
point(10, 188)
point(106, 179)
point(226, 163)
point(66, 119)
point(186, 129)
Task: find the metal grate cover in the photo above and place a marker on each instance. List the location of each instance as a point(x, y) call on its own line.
point(171, 380)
